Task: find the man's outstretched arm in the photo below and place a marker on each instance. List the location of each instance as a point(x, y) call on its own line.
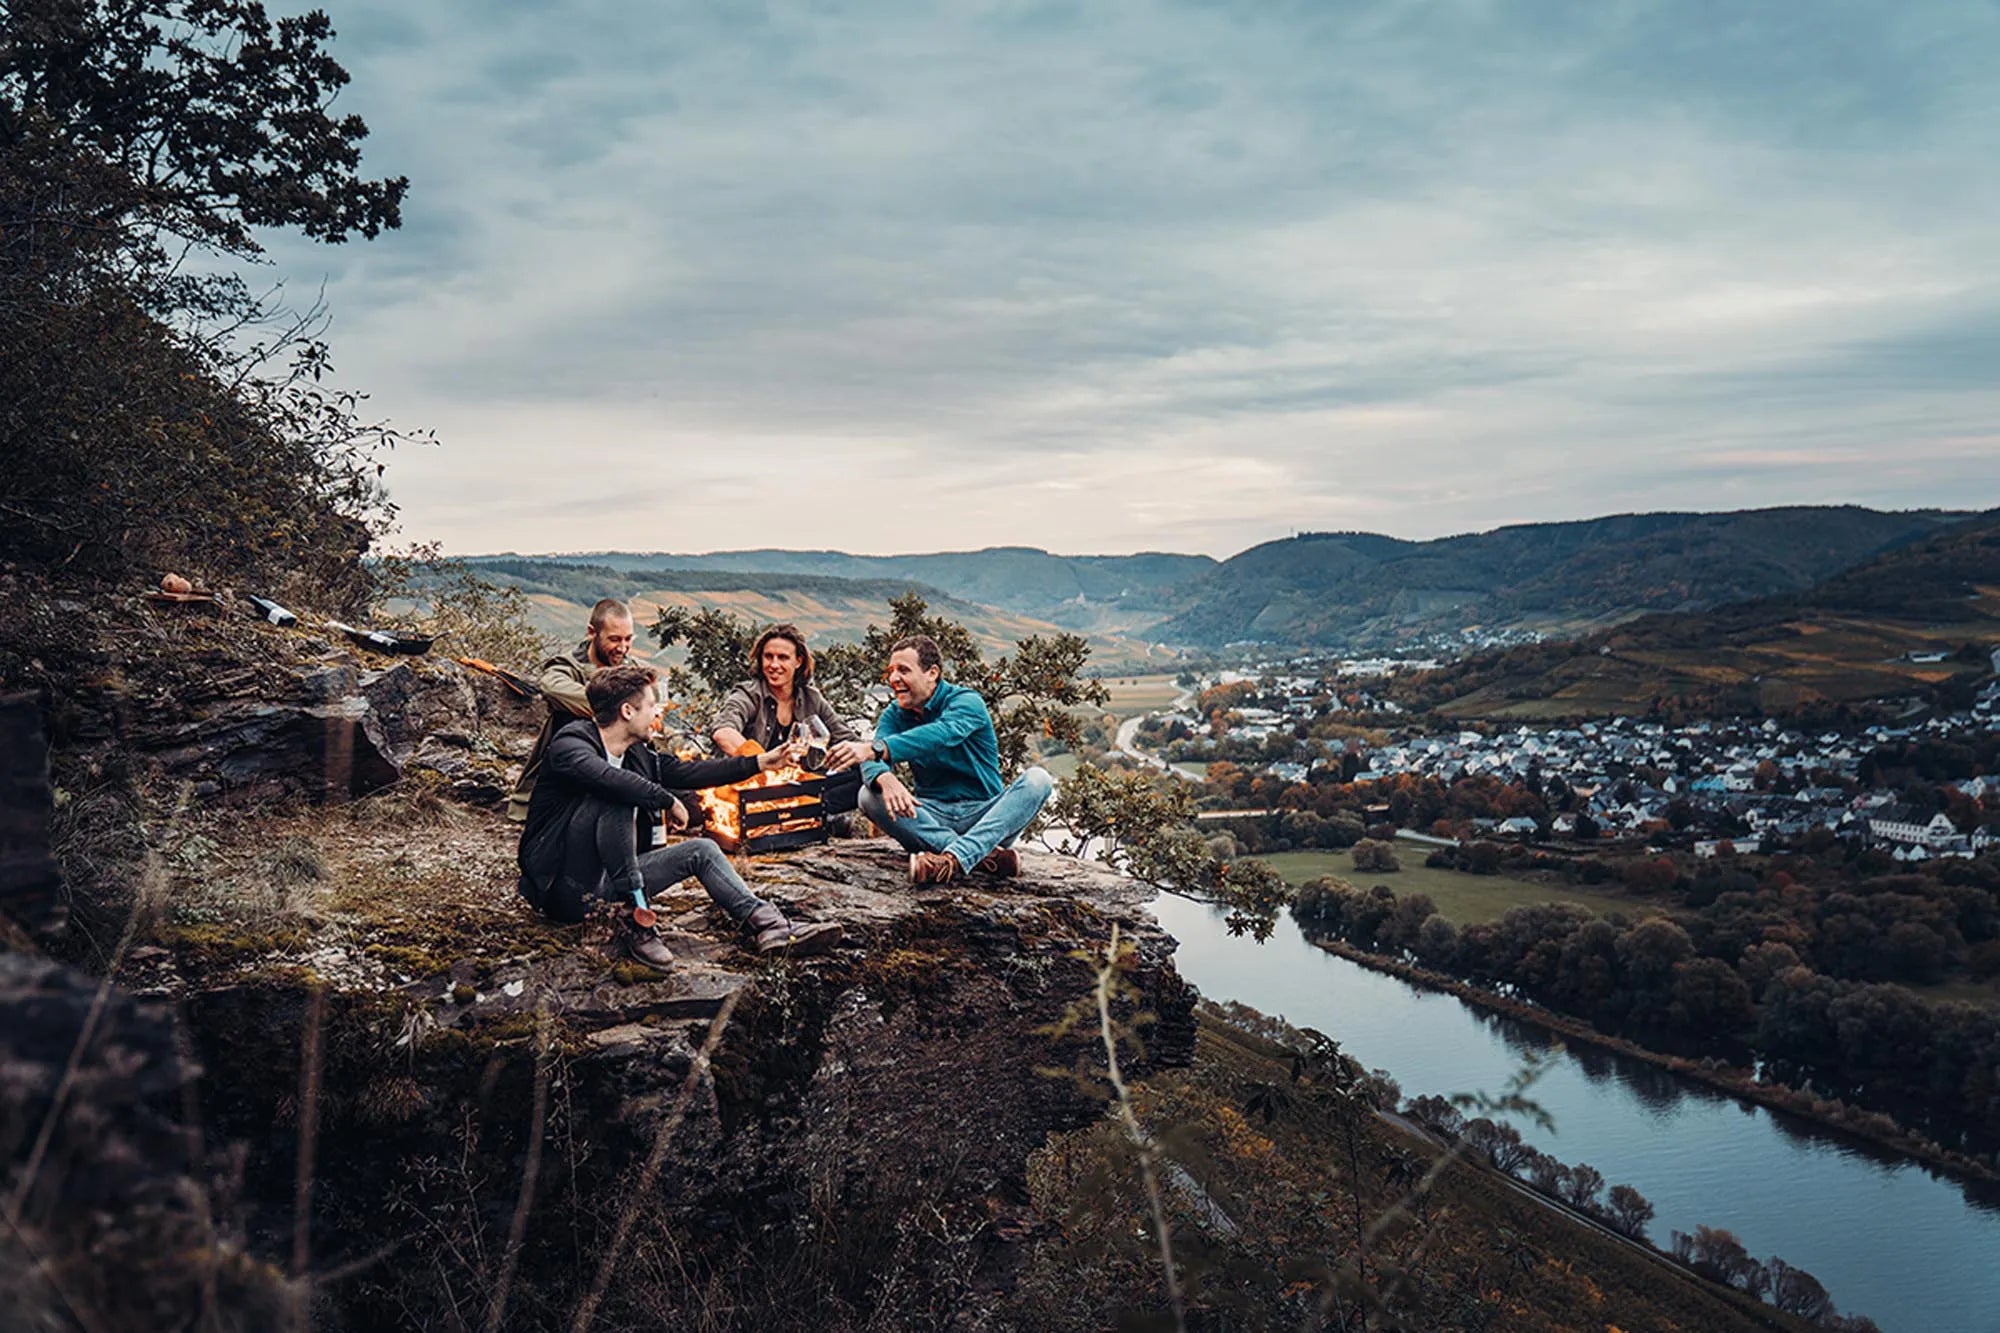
point(689, 773)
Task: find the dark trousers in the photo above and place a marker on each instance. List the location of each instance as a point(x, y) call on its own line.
point(842, 791)
point(601, 857)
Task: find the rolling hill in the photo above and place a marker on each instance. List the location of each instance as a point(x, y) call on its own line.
point(1085, 593)
point(1336, 589)
point(1363, 589)
point(1851, 639)
point(561, 592)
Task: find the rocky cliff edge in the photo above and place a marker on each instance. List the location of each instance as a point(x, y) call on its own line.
point(480, 1111)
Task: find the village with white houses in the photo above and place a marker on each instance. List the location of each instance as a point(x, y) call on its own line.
point(1703, 784)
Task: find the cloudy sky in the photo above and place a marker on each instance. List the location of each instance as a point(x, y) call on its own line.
point(1125, 275)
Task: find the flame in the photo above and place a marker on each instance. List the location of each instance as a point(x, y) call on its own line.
point(722, 814)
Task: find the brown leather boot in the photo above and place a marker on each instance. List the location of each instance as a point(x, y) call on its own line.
point(643, 945)
point(933, 868)
point(1002, 861)
point(772, 932)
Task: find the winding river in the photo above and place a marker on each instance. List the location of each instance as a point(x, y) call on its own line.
point(1915, 1253)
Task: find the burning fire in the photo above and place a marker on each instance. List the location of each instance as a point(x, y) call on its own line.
point(722, 812)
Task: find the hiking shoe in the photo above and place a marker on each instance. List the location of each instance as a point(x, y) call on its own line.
point(1002, 861)
point(643, 945)
point(799, 939)
point(933, 867)
point(772, 932)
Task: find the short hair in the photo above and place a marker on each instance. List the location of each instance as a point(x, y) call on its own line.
point(612, 688)
point(608, 609)
point(798, 641)
point(928, 655)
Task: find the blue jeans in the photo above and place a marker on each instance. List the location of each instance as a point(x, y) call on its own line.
point(969, 830)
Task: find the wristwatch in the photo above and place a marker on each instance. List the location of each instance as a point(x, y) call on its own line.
point(880, 749)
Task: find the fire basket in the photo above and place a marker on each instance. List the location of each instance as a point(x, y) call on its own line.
point(776, 819)
point(772, 812)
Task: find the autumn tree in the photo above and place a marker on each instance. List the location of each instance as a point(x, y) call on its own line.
point(1709, 999)
point(1500, 1143)
point(1143, 824)
point(1371, 856)
point(1438, 1115)
point(1628, 1211)
point(1580, 1188)
point(1798, 1292)
point(717, 657)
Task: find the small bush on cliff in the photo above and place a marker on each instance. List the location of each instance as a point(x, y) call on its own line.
point(1144, 825)
point(424, 589)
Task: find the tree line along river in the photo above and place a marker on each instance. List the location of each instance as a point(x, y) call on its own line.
point(1913, 1251)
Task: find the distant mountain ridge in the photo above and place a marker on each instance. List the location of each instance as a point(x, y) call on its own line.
point(1079, 592)
point(826, 607)
point(1365, 589)
point(1902, 624)
point(1359, 589)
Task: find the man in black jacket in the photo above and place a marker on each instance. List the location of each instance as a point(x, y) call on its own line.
point(583, 832)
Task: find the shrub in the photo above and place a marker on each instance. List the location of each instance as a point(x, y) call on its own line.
point(443, 596)
point(1370, 855)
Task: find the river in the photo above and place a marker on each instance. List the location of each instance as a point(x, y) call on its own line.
point(1915, 1253)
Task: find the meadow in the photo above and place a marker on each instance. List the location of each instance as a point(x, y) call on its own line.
point(1462, 898)
point(1132, 696)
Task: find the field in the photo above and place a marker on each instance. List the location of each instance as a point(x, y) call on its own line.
point(1463, 899)
point(1776, 667)
point(1060, 766)
point(1980, 994)
point(1134, 695)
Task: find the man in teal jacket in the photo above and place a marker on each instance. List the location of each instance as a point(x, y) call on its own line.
point(967, 817)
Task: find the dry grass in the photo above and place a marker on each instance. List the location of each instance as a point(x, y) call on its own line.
point(1133, 695)
point(400, 886)
point(417, 801)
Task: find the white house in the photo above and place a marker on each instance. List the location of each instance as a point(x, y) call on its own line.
point(1900, 824)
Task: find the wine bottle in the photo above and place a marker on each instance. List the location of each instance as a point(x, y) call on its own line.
point(374, 638)
point(272, 612)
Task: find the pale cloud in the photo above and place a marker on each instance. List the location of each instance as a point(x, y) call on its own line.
point(1150, 275)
